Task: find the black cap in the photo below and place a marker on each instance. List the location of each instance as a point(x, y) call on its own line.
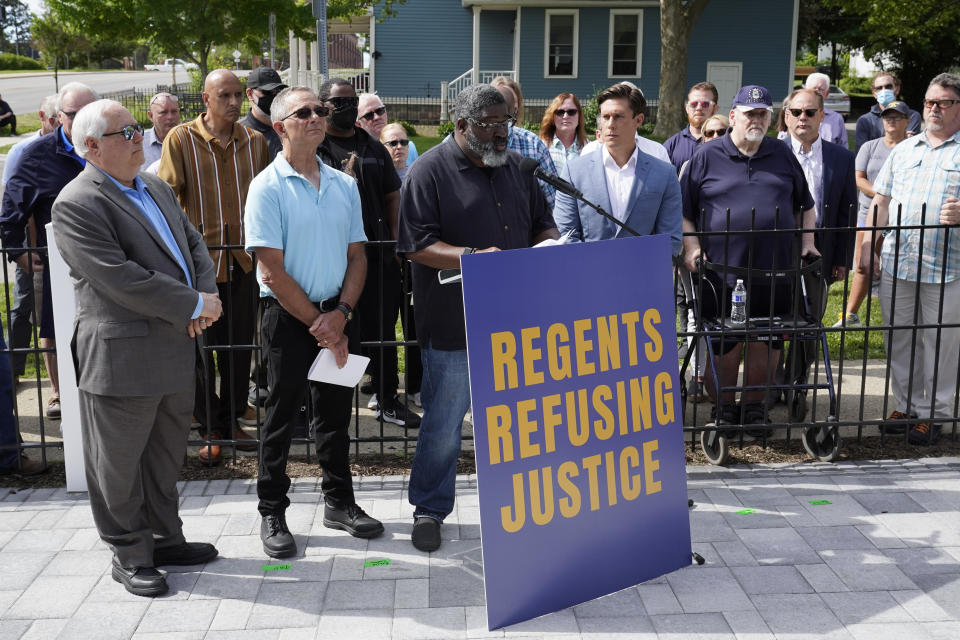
point(265, 79)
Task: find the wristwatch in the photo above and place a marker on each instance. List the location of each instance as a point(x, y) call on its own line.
point(346, 310)
point(468, 251)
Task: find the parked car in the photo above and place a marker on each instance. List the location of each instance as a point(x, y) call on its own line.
point(838, 100)
point(168, 64)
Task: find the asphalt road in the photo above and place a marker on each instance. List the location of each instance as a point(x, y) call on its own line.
point(25, 92)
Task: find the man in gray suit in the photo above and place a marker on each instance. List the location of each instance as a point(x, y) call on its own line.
point(145, 288)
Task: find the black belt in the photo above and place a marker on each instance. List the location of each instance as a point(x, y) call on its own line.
point(325, 306)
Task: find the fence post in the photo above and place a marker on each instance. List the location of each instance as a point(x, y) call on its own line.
point(444, 101)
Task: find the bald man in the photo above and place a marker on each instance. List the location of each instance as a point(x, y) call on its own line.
point(209, 162)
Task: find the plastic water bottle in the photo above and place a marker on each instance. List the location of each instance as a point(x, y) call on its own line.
point(738, 304)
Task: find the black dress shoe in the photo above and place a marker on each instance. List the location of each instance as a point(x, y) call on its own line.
point(276, 538)
point(184, 555)
point(140, 581)
point(426, 534)
point(353, 520)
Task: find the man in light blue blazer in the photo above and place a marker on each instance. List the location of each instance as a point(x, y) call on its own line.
point(637, 189)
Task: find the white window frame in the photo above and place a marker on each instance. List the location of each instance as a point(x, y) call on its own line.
point(625, 12)
point(546, 40)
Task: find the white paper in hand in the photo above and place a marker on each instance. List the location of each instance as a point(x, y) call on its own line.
point(324, 369)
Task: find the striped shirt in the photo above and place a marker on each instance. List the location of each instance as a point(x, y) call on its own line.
point(211, 182)
point(561, 154)
point(529, 145)
point(913, 175)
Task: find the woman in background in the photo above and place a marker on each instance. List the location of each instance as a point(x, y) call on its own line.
point(563, 129)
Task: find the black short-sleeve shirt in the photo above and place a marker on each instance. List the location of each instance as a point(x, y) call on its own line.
point(375, 174)
point(445, 197)
point(769, 183)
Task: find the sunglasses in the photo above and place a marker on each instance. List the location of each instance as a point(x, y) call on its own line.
point(566, 112)
point(943, 104)
point(69, 114)
point(304, 113)
point(128, 132)
point(809, 112)
point(884, 86)
point(701, 104)
point(394, 143)
point(344, 101)
point(714, 133)
point(379, 111)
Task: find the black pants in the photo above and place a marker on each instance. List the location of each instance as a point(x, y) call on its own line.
point(377, 312)
point(235, 328)
point(414, 365)
point(290, 350)
point(12, 121)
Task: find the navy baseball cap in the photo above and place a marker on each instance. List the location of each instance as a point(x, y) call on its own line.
point(753, 96)
point(897, 105)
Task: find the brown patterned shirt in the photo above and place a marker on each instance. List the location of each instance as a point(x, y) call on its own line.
point(211, 182)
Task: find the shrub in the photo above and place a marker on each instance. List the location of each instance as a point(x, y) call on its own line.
point(409, 128)
point(856, 85)
point(13, 61)
point(445, 129)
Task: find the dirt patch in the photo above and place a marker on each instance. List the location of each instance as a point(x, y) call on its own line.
point(752, 452)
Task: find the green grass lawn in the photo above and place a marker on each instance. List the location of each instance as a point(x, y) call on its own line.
point(26, 123)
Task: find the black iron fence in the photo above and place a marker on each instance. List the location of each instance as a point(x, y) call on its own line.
point(837, 380)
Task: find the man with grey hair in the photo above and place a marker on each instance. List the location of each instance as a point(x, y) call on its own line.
point(44, 169)
point(305, 223)
point(164, 113)
point(832, 128)
point(920, 281)
point(372, 117)
point(467, 195)
point(145, 289)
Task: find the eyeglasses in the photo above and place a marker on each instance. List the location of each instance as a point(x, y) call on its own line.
point(714, 133)
point(304, 113)
point(128, 132)
point(394, 143)
point(701, 104)
point(809, 112)
point(884, 86)
point(943, 104)
point(69, 114)
point(341, 102)
point(566, 112)
point(501, 126)
point(379, 111)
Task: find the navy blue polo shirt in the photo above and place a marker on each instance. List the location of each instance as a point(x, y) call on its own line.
point(771, 182)
point(681, 147)
point(446, 198)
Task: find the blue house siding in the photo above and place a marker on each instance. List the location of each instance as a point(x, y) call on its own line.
point(496, 41)
point(430, 41)
point(423, 44)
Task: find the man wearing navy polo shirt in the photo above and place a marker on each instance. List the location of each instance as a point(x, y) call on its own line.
point(304, 221)
point(761, 184)
point(466, 195)
point(701, 104)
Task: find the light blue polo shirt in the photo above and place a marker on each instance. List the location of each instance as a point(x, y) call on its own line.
point(313, 228)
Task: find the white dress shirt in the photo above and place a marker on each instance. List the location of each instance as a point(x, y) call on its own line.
point(619, 182)
point(812, 164)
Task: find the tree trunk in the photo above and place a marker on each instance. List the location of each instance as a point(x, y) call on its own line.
point(677, 18)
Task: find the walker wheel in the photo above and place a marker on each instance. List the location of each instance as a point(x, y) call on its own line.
point(822, 441)
point(715, 446)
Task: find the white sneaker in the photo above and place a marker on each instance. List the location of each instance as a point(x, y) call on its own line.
point(372, 403)
point(416, 399)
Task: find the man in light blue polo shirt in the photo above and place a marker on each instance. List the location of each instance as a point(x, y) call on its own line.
point(304, 221)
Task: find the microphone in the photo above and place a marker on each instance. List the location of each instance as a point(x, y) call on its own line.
point(529, 165)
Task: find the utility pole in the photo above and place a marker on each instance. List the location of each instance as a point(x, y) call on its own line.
point(320, 13)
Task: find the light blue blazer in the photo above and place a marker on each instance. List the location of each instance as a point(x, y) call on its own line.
point(654, 206)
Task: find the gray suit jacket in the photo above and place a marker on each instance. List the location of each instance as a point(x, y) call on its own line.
point(654, 205)
point(133, 301)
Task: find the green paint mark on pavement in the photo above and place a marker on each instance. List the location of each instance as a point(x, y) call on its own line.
point(820, 502)
point(275, 567)
point(746, 512)
point(376, 563)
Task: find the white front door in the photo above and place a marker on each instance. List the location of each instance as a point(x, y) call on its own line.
point(726, 76)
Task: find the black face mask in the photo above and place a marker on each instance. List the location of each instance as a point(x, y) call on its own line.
point(264, 102)
point(344, 118)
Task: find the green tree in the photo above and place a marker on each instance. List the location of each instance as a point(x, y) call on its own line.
point(677, 19)
point(54, 40)
point(922, 37)
point(840, 27)
point(16, 25)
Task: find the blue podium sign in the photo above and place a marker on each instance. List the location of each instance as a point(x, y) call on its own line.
point(577, 424)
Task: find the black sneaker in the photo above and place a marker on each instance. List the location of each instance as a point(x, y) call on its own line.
point(753, 414)
point(426, 534)
point(276, 538)
point(924, 433)
point(729, 414)
point(898, 428)
point(353, 520)
point(396, 413)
